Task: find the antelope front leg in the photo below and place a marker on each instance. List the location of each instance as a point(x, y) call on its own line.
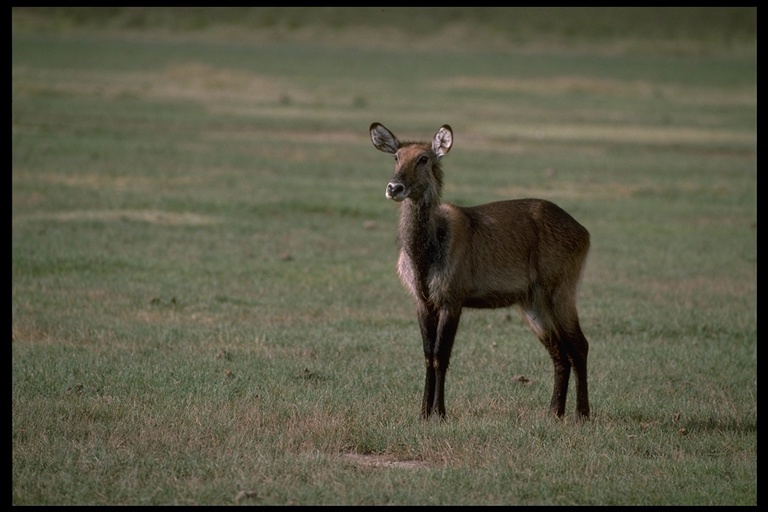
point(429, 392)
point(428, 324)
point(447, 326)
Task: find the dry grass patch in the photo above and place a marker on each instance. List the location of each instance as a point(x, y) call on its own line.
point(698, 291)
point(378, 461)
point(194, 81)
point(574, 84)
point(100, 181)
point(611, 133)
point(149, 216)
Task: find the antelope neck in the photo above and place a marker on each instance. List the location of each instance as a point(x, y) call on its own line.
point(423, 234)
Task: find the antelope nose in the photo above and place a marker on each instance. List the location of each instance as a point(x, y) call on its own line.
point(395, 191)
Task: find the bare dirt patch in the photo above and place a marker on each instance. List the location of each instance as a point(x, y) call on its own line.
point(382, 461)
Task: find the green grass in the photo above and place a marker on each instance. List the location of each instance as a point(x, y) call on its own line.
point(204, 303)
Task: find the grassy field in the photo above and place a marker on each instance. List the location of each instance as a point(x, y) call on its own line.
point(204, 303)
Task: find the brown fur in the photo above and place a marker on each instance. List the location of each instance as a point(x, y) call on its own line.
point(525, 252)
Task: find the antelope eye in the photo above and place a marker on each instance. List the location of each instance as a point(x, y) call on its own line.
point(422, 160)
point(395, 157)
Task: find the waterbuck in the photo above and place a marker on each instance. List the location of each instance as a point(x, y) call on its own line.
point(524, 252)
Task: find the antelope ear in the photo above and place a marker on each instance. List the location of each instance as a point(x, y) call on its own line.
point(443, 141)
point(383, 139)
